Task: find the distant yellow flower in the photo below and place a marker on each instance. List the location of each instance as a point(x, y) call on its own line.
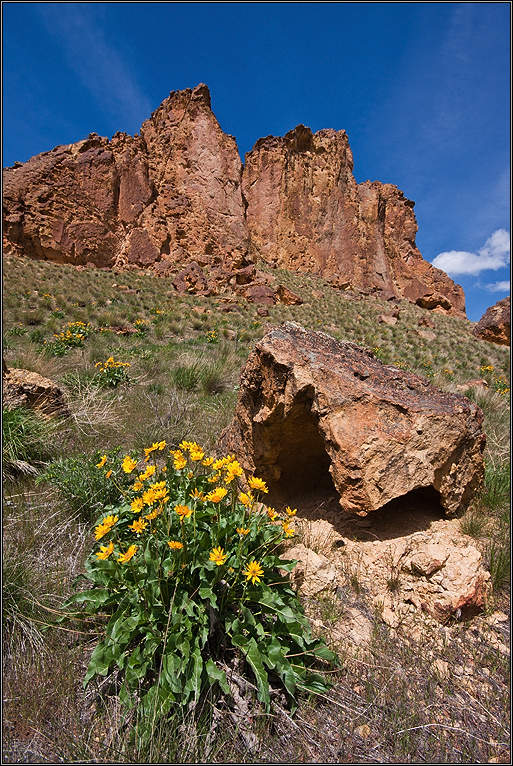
point(102, 462)
point(290, 512)
point(137, 505)
point(216, 495)
point(215, 477)
point(105, 526)
point(137, 485)
point(207, 462)
point(259, 484)
point(220, 463)
point(138, 526)
point(218, 555)
point(183, 511)
point(128, 464)
point(125, 557)
point(105, 550)
point(272, 514)
point(196, 453)
point(108, 474)
point(242, 531)
point(253, 572)
point(175, 545)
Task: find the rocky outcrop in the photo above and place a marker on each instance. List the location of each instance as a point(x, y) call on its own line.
point(494, 325)
point(178, 193)
point(312, 411)
point(22, 388)
point(307, 213)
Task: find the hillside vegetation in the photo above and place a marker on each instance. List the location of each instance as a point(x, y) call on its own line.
point(140, 364)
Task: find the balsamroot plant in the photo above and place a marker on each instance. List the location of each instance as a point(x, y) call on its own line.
point(185, 569)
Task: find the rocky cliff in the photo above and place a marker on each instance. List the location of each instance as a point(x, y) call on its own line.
point(178, 193)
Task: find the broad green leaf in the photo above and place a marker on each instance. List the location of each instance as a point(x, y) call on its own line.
point(215, 674)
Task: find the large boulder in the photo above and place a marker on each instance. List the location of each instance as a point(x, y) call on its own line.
point(316, 412)
point(494, 325)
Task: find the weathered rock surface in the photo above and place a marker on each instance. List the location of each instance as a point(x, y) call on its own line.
point(178, 193)
point(313, 572)
point(494, 325)
point(312, 411)
point(22, 388)
point(307, 213)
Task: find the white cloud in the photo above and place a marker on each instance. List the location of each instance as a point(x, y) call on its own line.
point(499, 287)
point(494, 255)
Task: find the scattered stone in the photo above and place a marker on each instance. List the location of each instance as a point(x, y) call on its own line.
point(313, 573)
point(386, 319)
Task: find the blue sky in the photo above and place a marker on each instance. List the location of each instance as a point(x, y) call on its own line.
point(422, 89)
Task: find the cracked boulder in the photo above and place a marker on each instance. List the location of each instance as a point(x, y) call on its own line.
point(314, 413)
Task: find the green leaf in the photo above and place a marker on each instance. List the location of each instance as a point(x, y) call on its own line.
point(252, 655)
point(194, 673)
point(215, 674)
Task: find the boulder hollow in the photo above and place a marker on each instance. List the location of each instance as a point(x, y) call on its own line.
point(316, 413)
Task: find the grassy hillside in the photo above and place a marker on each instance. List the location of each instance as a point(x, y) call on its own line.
point(173, 375)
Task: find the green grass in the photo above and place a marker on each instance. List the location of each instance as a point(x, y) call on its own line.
point(386, 706)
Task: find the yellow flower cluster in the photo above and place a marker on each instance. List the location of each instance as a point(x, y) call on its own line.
point(110, 364)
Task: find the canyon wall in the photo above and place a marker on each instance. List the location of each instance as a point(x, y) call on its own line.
point(178, 193)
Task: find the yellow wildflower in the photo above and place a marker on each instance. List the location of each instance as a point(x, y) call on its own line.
point(137, 485)
point(138, 526)
point(246, 499)
point(290, 512)
point(102, 462)
point(148, 497)
point(105, 551)
point(215, 477)
point(218, 555)
point(216, 495)
point(233, 470)
point(155, 446)
point(147, 473)
point(197, 495)
point(175, 545)
point(253, 572)
point(196, 453)
point(207, 462)
point(105, 526)
point(179, 461)
point(288, 531)
point(153, 514)
point(125, 557)
point(137, 505)
point(259, 484)
point(242, 531)
point(272, 514)
point(108, 474)
point(183, 511)
point(128, 464)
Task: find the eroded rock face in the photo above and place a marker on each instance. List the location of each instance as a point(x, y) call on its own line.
point(314, 411)
point(307, 213)
point(494, 325)
point(178, 192)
